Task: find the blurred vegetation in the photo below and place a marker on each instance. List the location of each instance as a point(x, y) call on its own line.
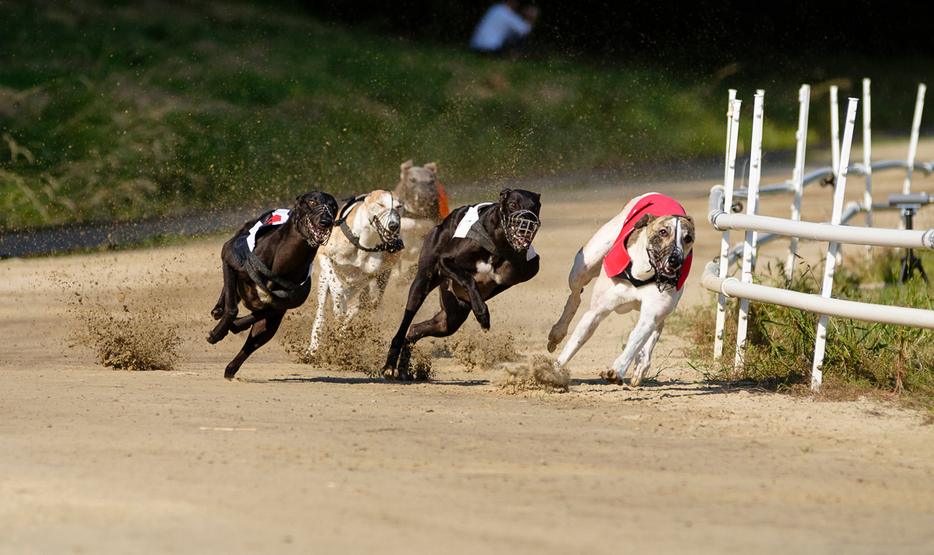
point(860, 357)
point(115, 109)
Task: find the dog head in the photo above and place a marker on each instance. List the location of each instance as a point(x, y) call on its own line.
point(382, 212)
point(519, 210)
point(313, 214)
point(418, 191)
point(670, 239)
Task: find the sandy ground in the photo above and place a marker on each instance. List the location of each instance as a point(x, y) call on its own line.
point(311, 459)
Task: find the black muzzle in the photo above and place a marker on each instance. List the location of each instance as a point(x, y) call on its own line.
point(316, 225)
point(668, 263)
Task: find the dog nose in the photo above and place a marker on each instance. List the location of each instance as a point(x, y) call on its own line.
point(394, 222)
point(675, 260)
point(326, 220)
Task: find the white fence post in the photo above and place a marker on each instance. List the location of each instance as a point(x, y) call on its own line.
point(797, 177)
point(867, 151)
point(729, 173)
point(752, 207)
point(755, 234)
point(834, 131)
point(913, 145)
point(827, 286)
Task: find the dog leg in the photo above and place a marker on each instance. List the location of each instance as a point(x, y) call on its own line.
point(581, 274)
point(229, 296)
point(245, 322)
point(469, 284)
point(584, 331)
point(324, 279)
point(377, 288)
point(351, 307)
point(643, 360)
point(607, 297)
point(262, 332)
point(418, 292)
point(640, 334)
point(218, 311)
point(643, 336)
point(452, 316)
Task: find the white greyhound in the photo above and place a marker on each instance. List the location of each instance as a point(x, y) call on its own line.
point(640, 259)
point(358, 258)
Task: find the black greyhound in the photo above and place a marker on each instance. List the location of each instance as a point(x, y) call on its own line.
point(470, 264)
point(267, 266)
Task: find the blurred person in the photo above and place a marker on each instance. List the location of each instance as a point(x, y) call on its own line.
point(502, 30)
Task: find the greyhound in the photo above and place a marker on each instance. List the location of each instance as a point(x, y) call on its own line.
point(358, 259)
point(424, 205)
point(476, 253)
point(267, 266)
point(640, 259)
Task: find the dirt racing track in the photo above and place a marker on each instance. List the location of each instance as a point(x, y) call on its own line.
point(308, 458)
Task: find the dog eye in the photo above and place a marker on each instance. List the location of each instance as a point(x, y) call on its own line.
point(663, 232)
point(688, 239)
point(513, 205)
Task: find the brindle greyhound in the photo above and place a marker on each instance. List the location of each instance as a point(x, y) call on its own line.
point(424, 205)
point(267, 266)
point(476, 253)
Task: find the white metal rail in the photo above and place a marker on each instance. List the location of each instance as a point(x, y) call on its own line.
point(715, 277)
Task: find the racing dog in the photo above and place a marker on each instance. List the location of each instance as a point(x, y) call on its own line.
point(267, 266)
point(424, 205)
point(357, 259)
point(476, 253)
point(640, 259)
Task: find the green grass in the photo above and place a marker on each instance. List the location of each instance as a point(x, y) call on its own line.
point(124, 109)
point(860, 358)
point(116, 109)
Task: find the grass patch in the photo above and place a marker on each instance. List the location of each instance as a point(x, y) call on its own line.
point(122, 110)
point(861, 358)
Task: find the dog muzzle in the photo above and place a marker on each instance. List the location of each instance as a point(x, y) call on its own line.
point(520, 227)
point(668, 264)
point(317, 224)
point(388, 223)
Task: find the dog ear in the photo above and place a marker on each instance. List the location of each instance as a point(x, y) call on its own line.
point(432, 167)
point(644, 221)
point(406, 166)
point(503, 194)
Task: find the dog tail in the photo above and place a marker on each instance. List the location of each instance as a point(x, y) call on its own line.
point(443, 203)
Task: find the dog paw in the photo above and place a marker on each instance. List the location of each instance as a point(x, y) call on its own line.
point(554, 337)
point(483, 318)
point(611, 377)
point(395, 375)
point(212, 339)
point(217, 313)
